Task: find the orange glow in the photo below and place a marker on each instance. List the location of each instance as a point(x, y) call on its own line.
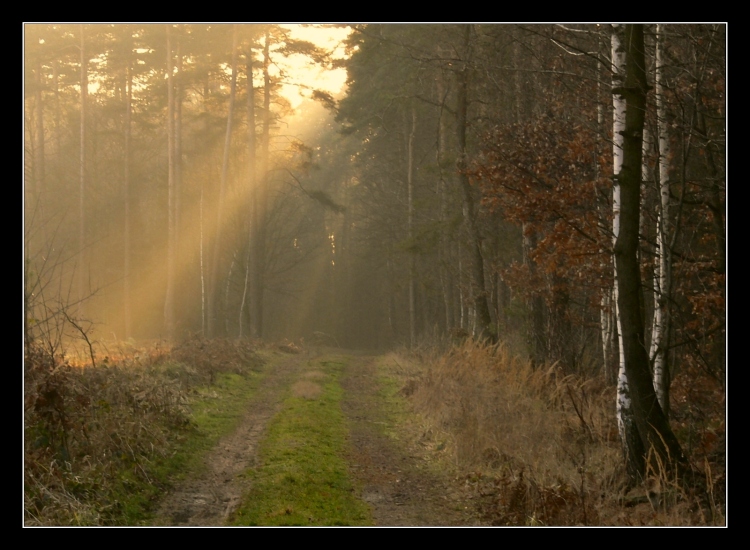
point(305, 77)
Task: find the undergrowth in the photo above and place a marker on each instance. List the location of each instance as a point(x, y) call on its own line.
point(538, 447)
point(102, 443)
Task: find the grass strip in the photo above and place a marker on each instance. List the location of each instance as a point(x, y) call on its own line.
point(303, 478)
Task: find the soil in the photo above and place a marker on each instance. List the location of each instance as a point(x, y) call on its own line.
point(393, 478)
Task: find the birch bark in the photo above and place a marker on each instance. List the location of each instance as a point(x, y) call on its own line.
point(629, 436)
point(662, 282)
point(665, 457)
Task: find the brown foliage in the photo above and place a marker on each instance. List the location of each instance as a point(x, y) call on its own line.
point(543, 174)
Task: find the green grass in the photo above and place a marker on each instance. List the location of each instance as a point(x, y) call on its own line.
point(303, 479)
point(393, 406)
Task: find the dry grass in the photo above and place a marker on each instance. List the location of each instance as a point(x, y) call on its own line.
point(306, 389)
point(93, 433)
point(535, 446)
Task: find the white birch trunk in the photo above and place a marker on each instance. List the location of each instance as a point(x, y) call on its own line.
point(607, 333)
point(624, 407)
point(662, 269)
point(606, 314)
point(645, 177)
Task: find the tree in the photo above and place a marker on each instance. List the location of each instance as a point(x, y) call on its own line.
point(169, 301)
point(470, 214)
point(663, 451)
point(632, 444)
point(663, 265)
point(213, 279)
point(84, 85)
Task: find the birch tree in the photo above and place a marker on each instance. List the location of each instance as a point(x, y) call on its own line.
point(660, 452)
point(631, 442)
point(662, 267)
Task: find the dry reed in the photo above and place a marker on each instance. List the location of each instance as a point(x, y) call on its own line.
point(536, 446)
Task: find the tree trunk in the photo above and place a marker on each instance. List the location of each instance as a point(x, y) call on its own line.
point(56, 90)
point(213, 279)
point(178, 141)
point(446, 279)
point(481, 307)
point(82, 187)
point(662, 269)
point(410, 130)
point(259, 246)
point(169, 319)
point(226, 293)
point(664, 453)
point(631, 442)
point(127, 313)
point(39, 156)
point(202, 245)
point(251, 185)
point(607, 313)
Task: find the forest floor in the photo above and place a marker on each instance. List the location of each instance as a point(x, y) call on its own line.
point(387, 468)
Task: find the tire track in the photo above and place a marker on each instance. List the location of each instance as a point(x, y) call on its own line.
point(210, 498)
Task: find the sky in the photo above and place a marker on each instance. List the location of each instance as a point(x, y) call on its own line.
point(301, 71)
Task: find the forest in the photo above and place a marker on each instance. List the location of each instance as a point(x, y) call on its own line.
point(557, 191)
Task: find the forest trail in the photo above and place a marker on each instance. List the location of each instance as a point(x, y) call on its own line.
point(209, 498)
point(392, 478)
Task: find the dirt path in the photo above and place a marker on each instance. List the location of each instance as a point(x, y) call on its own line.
point(394, 479)
point(210, 498)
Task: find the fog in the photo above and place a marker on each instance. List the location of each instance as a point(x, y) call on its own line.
point(188, 191)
